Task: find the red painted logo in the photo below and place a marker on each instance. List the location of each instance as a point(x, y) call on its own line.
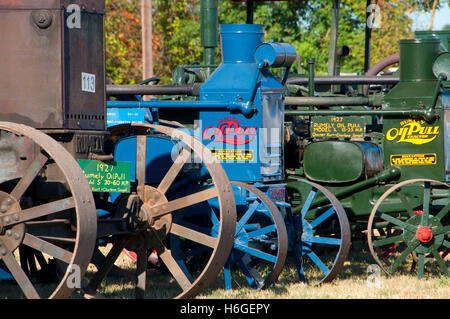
point(229, 131)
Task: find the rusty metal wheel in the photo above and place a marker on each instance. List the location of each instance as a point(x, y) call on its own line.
point(420, 236)
point(47, 212)
point(163, 210)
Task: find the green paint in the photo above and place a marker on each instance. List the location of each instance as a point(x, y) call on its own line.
point(337, 127)
point(111, 177)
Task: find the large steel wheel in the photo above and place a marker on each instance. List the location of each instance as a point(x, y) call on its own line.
point(260, 243)
point(321, 239)
point(158, 213)
point(43, 221)
point(416, 236)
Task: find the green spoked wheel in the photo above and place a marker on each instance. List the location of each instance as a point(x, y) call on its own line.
point(417, 235)
point(321, 239)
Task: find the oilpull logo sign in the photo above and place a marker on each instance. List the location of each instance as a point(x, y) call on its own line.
point(414, 132)
point(231, 132)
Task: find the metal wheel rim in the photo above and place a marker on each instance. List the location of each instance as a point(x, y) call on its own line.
point(280, 229)
point(224, 241)
point(86, 215)
point(374, 211)
point(344, 228)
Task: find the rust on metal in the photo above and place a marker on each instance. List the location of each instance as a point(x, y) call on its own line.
point(19, 225)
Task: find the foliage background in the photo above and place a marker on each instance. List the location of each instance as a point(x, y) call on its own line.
point(304, 24)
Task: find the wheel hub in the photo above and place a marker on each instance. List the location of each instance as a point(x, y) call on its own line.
point(424, 234)
point(11, 236)
point(153, 197)
point(149, 227)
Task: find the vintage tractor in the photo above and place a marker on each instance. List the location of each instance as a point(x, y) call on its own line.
point(59, 172)
point(76, 192)
point(238, 115)
point(384, 156)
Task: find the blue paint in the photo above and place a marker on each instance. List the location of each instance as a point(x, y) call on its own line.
point(246, 139)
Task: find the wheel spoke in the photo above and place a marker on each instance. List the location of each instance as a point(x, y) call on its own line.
point(252, 208)
point(37, 211)
point(308, 202)
point(405, 202)
point(30, 174)
point(19, 275)
point(47, 248)
point(446, 244)
point(227, 275)
point(193, 235)
point(397, 222)
point(411, 246)
point(443, 212)
point(318, 262)
point(256, 253)
point(190, 200)
point(107, 264)
point(251, 274)
point(174, 170)
point(440, 261)
point(141, 151)
point(322, 217)
point(325, 241)
point(421, 266)
point(173, 267)
point(426, 203)
point(441, 230)
point(262, 231)
point(387, 241)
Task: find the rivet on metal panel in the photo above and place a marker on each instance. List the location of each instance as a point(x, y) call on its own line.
point(42, 18)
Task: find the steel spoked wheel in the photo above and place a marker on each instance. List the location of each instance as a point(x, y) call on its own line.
point(260, 243)
point(322, 239)
point(165, 210)
point(47, 216)
point(416, 236)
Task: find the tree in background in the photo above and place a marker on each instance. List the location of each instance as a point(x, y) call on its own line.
point(304, 24)
point(176, 25)
point(123, 41)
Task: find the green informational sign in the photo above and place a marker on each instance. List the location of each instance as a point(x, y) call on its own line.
point(337, 126)
point(111, 176)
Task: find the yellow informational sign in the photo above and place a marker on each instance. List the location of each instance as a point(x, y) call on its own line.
point(233, 155)
point(413, 159)
point(337, 127)
point(414, 132)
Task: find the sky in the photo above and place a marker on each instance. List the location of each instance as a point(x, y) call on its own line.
point(441, 18)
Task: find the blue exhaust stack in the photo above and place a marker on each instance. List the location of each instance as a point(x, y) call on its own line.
point(248, 144)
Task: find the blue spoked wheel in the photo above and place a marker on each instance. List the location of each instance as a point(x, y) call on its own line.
point(320, 235)
point(259, 245)
point(260, 242)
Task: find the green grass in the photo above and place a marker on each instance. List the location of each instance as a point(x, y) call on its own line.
point(351, 283)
